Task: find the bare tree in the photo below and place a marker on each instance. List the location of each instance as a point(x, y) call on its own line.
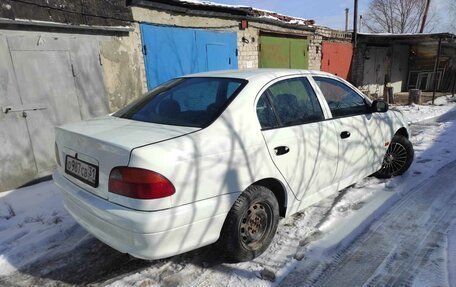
point(395, 16)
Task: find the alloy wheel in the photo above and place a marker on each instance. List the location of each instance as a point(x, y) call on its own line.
point(395, 158)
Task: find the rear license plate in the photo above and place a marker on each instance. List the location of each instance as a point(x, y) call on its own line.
point(84, 171)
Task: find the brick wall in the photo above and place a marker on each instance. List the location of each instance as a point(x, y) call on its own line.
point(315, 52)
point(249, 54)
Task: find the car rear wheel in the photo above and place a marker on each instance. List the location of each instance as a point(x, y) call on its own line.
point(397, 159)
point(250, 225)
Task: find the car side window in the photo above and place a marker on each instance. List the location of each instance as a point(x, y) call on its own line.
point(291, 102)
point(265, 113)
point(342, 100)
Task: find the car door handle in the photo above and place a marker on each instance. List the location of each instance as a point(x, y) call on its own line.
point(280, 150)
point(345, 134)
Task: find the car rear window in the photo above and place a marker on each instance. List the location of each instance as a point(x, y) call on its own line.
point(194, 102)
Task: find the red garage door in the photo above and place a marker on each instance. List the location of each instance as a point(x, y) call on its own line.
point(336, 58)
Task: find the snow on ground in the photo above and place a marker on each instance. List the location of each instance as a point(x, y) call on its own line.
point(40, 244)
point(405, 247)
point(417, 113)
point(32, 221)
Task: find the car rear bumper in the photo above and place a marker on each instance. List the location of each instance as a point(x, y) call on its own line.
point(147, 235)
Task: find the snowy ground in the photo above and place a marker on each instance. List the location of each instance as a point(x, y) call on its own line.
point(412, 244)
point(419, 113)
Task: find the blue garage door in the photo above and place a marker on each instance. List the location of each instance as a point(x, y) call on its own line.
point(172, 52)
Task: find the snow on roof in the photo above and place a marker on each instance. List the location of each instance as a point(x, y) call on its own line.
point(283, 18)
point(259, 13)
point(209, 3)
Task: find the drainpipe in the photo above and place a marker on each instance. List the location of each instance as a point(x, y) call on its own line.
point(436, 66)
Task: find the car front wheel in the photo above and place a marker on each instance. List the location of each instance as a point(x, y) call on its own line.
point(397, 159)
point(250, 225)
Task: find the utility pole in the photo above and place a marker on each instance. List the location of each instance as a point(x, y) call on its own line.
point(346, 19)
point(355, 25)
point(353, 77)
point(426, 9)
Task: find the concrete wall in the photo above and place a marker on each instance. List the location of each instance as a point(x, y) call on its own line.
point(123, 68)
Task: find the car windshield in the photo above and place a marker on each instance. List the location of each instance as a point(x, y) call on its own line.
point(194, 102)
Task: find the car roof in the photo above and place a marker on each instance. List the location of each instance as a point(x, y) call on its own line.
point(249, 74)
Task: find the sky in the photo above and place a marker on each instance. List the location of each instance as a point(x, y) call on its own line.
point(329, 13)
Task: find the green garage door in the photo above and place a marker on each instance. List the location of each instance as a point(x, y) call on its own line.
point(283, 52)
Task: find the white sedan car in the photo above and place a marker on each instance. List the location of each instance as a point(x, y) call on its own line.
point(220, 156)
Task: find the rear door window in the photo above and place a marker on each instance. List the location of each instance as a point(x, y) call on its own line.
point(194, 102)
point(265, 113)
point(292, 101)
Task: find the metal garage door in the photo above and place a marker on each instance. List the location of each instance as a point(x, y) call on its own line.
point(16, 150)
point(375, 69)
point(336, 58)
point(47, 81)
point(284, 52)
point(172, 52)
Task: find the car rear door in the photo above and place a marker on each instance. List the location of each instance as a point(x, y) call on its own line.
point(360, 132)
point(302, 145)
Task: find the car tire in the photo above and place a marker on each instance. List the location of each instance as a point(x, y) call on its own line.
point(250, 225)
point(397, 159)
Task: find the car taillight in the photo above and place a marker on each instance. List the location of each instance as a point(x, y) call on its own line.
point(139, 183)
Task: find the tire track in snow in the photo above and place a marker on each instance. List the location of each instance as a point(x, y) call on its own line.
point(451, 255)
point(398, 244)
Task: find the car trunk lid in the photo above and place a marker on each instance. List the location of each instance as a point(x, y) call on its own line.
point(107, 142)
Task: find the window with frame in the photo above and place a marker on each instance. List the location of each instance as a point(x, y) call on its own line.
point(342, 100)
point(265, 113)
point(289, 102)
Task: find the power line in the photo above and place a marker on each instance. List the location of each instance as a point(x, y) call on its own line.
point(71, 12)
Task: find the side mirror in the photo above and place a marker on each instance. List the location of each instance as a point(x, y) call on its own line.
point(379, 106)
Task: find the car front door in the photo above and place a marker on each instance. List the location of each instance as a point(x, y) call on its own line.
point(302, 145)
point(361, 132)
